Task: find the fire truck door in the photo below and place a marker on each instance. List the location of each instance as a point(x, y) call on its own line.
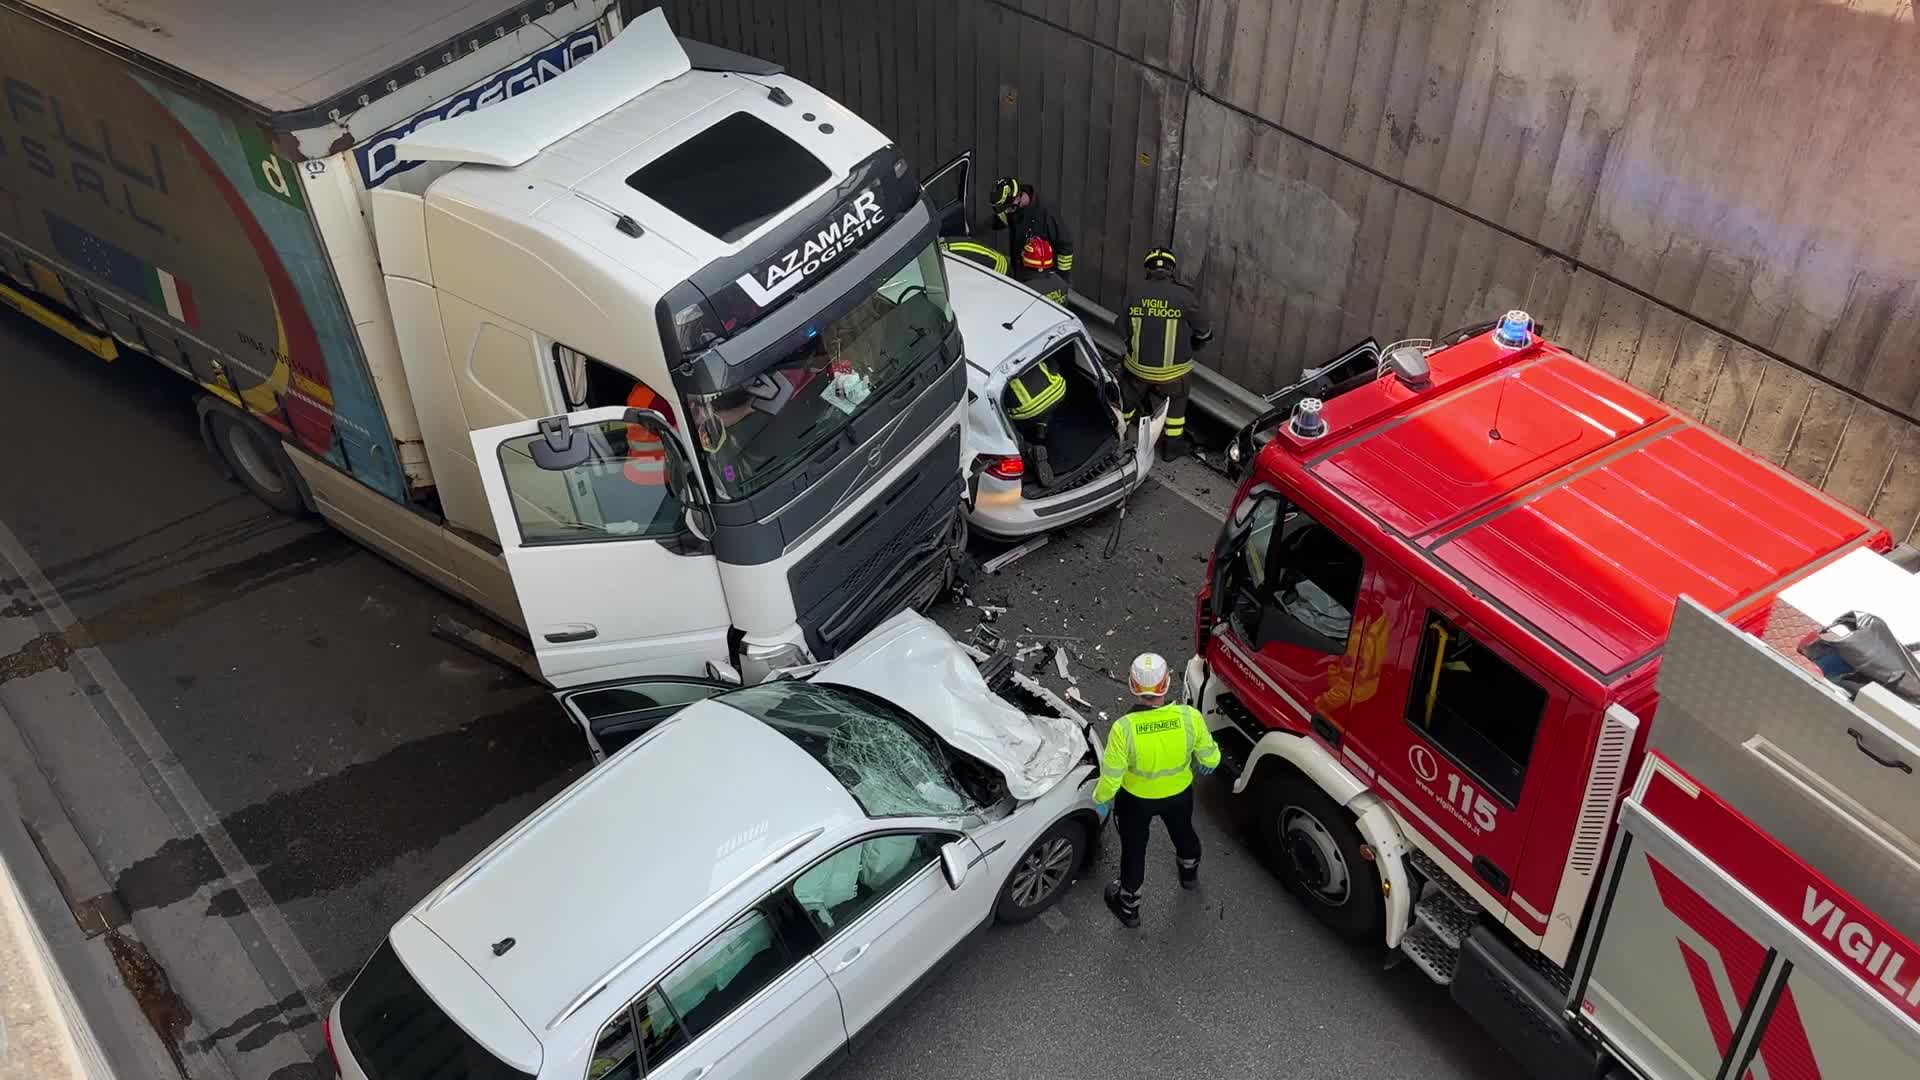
point(1287, 589)
point(1452, 749)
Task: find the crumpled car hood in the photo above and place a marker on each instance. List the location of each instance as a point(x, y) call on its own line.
point(911, 662)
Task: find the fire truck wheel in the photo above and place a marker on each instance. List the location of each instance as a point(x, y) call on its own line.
point(1313, 845)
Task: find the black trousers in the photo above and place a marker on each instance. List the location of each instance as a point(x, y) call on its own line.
point(1133, 817)
point(1142, 397)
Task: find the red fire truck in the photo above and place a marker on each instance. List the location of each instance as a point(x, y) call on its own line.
point(1504, 654)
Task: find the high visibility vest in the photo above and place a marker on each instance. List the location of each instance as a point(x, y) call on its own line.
point(1035, 391)
point(1150, 754)
point(646, 455)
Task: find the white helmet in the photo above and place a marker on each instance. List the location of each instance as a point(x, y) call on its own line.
point(1149, 677)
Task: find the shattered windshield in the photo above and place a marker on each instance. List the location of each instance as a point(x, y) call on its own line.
point(891, 766)
point(751, 433)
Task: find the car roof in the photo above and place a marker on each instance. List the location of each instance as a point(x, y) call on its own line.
point(280, 56)
point(983, 303)
point(621, 858)
point(1569, 499)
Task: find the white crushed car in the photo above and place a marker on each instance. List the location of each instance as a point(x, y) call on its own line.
point(1015, 335)
point(747, 886)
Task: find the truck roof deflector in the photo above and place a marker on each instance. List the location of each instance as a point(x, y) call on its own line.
point(510, 133)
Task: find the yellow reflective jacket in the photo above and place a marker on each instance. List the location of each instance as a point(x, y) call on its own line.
point(1150, 753)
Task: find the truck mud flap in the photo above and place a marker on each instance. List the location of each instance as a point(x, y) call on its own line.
point(1522, 1008)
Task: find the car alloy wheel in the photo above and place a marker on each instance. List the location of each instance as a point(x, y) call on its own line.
point(1043, 872)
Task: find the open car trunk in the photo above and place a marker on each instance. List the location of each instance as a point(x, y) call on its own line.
point(1083, 430)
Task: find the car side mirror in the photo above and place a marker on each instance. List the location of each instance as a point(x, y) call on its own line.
point(721, 671)
point(1239, 452)
point(955, 858)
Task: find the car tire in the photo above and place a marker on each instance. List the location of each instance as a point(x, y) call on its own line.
point(255, 457)
point(1043, 873)
point(1312, 844)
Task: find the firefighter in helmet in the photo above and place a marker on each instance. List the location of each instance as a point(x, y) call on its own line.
point(1038, 270)
point(1163, 328)
point(1017, 210)
point(1147, 772)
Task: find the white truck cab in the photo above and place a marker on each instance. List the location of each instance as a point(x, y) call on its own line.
point(758, 258)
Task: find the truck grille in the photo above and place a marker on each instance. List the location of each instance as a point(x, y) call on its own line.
point(885, 559)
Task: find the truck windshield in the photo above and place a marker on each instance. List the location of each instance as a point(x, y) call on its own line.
point(752, 432)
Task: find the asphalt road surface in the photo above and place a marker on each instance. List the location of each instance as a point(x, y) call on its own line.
point(258, 741)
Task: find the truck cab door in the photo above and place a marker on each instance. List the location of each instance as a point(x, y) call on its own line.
point(1285, 589)
point(947, 189)
point(1459, 744)
point(606, 544)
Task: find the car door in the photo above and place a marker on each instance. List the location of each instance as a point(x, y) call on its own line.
point(744, 1005)
point(611, 715)
point(612, 571)
point(886, 916)
point(1286, 587)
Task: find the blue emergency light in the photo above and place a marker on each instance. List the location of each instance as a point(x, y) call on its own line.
point(1515, 330)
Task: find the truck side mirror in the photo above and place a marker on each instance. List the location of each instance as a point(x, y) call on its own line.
point(699, 521)
point(559, 447)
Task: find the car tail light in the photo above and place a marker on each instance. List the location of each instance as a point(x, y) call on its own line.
point(1007, 468)
point(331, 1052)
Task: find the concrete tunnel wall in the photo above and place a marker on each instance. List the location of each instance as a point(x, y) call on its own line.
point(1708, 198)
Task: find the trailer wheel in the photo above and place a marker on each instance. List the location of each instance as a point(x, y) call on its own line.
point(1312, 843)
point(256, 458)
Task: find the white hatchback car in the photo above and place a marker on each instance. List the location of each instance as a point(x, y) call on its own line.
point(1094, 461)
point(744, 889)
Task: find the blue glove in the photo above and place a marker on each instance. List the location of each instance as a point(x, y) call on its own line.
point(1204, 769)
point(1103, 809)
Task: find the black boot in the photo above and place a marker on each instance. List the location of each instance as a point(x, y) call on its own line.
point(1125, 906)
point(1189, 874)
point(1043, 466)
point(1174, 447)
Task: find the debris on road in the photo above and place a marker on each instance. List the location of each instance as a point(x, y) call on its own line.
point(993, 565)
point(1060, 662)
point(1073, 695)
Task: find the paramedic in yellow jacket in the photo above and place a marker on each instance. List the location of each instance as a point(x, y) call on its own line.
point(1146, 773)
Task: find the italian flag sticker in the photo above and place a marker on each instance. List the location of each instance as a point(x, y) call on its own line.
point(177, 295)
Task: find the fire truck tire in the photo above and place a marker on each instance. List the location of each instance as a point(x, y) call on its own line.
point(1312, 843)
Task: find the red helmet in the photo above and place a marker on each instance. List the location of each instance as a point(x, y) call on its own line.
point(1037, 254)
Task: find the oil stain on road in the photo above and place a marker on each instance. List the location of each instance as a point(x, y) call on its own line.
point(336, 831)
point(166, 608)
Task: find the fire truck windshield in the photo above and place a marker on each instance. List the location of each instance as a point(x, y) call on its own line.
point(752, 432)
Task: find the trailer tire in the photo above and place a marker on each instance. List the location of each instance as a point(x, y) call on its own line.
point(255, 457)
point(1313, 845)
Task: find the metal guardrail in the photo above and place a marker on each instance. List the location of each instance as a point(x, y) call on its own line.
point(1211, 393)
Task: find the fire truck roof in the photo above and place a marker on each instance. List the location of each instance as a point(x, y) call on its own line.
point(1569, 499)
